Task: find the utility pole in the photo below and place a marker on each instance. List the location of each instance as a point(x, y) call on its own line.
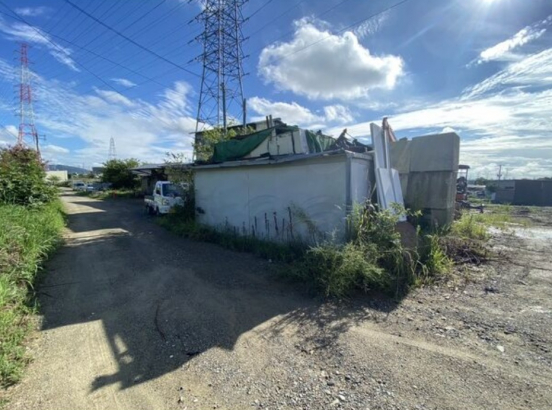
point(112, 153)
point(221, 92)
point(26, 113)
point(499, 175)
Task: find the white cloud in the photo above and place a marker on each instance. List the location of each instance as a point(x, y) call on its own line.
point(124, 82)
point(53, 149)
point(509, 126)
point(33, 35)
point(114, 97)
point(144, 130)
point(533, 71)
point(370, 26)
point(448, 129)
point(291, 113)
point(324, 66)
point(8, 135)
point(503, 51)
point(31, 11)
point(338, 113)
point(296, 114)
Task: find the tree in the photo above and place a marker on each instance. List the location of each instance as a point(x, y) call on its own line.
point(118, 173)
point(205, 149)
point(22, 178)
point(481, 181)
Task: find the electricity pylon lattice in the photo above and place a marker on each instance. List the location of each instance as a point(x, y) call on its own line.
point(27, 126)
point(221, 95)
point(112, 153)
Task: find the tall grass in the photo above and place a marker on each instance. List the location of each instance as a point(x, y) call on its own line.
point(27, 236)
point(373, 258)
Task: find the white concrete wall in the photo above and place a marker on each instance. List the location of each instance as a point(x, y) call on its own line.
point(361, 188)
point(236, 196)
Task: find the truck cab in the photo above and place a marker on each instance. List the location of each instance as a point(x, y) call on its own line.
point(166, 195)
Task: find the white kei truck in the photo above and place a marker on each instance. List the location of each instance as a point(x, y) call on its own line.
point(166, 195)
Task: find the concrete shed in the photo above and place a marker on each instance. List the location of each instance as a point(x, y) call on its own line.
point(284, 198)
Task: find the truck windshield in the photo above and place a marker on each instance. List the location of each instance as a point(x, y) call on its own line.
point(172, 190)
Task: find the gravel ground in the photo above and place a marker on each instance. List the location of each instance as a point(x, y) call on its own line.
point(136, 318)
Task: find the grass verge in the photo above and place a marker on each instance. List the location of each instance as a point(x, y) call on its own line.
point(374, 257)
point(27, 237)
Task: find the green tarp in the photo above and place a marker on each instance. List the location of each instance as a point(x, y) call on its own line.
point(238, 148)
point(319, 142)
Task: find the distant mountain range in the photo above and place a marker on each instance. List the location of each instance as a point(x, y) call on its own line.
point(68, 168)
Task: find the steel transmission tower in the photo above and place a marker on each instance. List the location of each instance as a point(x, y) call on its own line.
point(221, 94)
point(27, 126)
point(112, 153)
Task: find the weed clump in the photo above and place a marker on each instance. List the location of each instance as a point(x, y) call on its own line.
point(337, 270)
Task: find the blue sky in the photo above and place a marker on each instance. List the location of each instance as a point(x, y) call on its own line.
point(482, 68)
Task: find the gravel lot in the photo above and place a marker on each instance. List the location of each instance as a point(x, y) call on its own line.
point(136, 318)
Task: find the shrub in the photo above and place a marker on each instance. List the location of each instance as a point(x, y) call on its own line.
point(22, 178)
point(337, 270)
point(118, 173)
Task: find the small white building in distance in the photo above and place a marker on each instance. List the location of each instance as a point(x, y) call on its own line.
point(62, 175)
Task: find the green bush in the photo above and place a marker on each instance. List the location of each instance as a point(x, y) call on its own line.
point(336, 271)
point(118, 173)
point(27, 236)
point(22, 178)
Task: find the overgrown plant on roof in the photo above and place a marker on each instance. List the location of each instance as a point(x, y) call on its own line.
point(205, 147)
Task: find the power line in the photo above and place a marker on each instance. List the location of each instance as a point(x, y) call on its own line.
point(96, 55)
point(259, 9)
point(262, 27)
point(59, 48)
point(179, 28)
point(352, 25)
point(348, 27)
point(10, 132)
point(104, 32)
point(131, 40)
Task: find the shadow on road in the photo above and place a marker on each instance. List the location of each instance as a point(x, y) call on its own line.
point(164, 300)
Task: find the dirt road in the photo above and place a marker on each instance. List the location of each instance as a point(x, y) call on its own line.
point(136, 318)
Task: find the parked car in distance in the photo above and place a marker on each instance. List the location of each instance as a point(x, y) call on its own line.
point(79, 186)
point(90, 188)
point(166, 195)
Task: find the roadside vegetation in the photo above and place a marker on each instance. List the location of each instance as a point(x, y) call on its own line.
point(118, 173)
point(31, 220)
point(376, 256)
